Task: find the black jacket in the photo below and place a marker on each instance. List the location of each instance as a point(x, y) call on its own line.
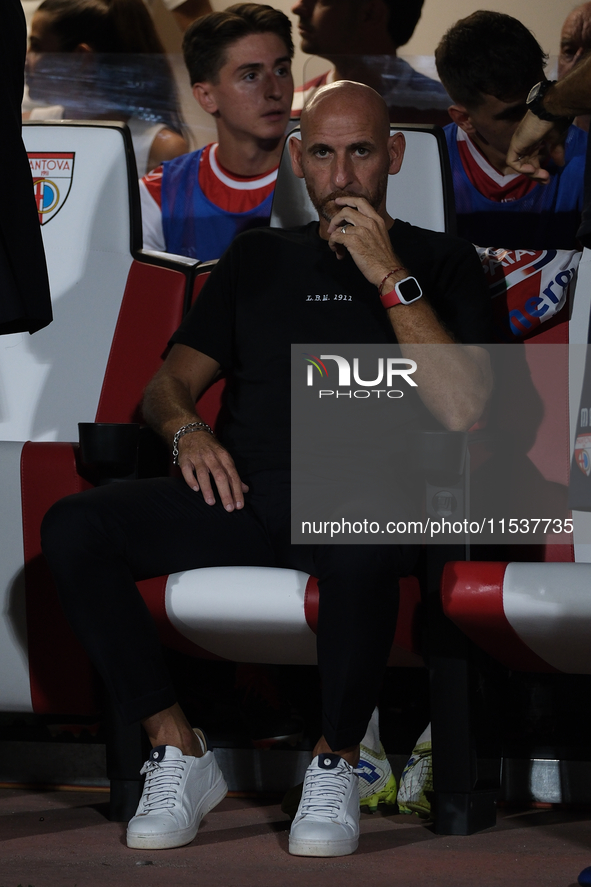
point(25, 301)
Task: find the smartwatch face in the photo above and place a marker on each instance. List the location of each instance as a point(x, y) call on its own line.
point(408, 290)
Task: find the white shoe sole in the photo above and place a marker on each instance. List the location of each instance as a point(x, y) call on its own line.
point(324, 848)
point(179, 838)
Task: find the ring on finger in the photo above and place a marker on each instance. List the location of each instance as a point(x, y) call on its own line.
point(344, 229)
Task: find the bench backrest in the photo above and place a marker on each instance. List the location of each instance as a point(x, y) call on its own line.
point(52, 380)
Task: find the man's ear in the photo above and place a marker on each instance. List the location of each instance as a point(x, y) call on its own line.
point(396, 148)
point(461, 117)
point(203, 94)
point(295, 153)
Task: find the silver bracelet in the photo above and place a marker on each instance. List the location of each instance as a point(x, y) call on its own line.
point(186, 429)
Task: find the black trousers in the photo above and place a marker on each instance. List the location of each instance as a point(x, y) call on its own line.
point(98, 543)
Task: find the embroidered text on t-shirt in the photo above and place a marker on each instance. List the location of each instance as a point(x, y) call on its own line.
point(338, 297)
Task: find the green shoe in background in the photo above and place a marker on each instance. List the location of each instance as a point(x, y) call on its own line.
point(376, 780)
point(416, 782)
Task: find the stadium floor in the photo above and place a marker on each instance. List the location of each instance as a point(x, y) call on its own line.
point(64, 839)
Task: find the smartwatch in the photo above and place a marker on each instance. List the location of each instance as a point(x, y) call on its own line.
point(404, 292)
point(535, 102)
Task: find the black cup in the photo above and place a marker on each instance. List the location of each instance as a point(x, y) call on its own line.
point(109, 449)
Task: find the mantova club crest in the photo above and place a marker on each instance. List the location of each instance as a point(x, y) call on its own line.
point(52, 173)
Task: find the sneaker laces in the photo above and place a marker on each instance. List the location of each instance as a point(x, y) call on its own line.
point(163, 779)
point(324, 791)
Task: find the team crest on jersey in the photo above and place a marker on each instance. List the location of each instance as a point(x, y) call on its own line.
point(52, 173)
point(583, 453)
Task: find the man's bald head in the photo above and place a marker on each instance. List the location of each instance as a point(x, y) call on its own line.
point(575, 39)
point(346, 149)
point(349, 100)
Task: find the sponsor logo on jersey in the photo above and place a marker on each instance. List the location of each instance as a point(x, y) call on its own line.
point(527, 287)
point(52, 173)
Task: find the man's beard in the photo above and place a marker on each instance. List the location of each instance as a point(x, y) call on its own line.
point(321, 204)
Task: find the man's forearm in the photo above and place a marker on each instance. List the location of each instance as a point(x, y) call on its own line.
point(454, 380)
point(572, 95)
point(168, 405)
point(567, 98)
point(169, 400)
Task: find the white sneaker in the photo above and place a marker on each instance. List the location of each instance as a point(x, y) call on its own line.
point(327, 821)
point(179, 790)
point(377, 784)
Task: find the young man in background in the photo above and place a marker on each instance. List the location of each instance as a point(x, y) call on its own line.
point(239, 62)
point(488, 63)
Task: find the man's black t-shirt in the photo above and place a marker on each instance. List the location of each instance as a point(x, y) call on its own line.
point(274, 287)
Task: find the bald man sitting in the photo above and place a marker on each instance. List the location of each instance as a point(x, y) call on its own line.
point(404, 285)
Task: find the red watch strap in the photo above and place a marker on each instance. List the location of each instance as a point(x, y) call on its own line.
point(390, 299)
